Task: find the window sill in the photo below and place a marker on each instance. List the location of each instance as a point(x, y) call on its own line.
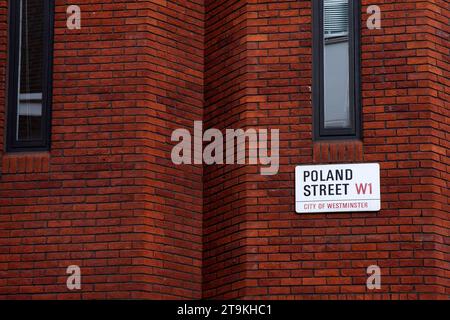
point(338, 151)
point(26, 162)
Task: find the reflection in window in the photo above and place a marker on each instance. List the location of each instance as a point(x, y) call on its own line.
point(29, 115)
point(335, 18)
point(30, 31)
point(336, 64)
point(336, 91)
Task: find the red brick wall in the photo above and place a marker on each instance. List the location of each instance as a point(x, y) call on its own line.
point(438, 56)
point(107, 197)
point(225, 187)
point(255, 245)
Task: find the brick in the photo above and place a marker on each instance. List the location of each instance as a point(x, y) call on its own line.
point(108, 198)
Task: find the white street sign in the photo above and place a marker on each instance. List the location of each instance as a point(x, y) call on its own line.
point(337, 188)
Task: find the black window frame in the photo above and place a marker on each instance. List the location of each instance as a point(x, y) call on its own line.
point(320, 132)
point(12, 144)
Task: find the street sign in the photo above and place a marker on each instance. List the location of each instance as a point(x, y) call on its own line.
point(337, 188)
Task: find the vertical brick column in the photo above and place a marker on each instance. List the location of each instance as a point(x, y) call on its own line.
point(226, 190)
point(438, 184)
point(404, 107)
point(107, 196)
point(255, 244)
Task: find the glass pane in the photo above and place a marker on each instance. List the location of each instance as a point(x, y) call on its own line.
point(29, 113)
point(336, 64)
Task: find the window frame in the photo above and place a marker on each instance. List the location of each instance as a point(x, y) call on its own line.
point(14, 38)
point(320, 132)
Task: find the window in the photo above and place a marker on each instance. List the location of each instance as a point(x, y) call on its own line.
point(336, 84)
point(29, 68)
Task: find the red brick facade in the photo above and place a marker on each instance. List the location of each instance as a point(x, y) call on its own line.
point(108, 198)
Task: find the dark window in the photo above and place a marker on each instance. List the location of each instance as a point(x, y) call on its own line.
point(336, 84)
point(29, 85)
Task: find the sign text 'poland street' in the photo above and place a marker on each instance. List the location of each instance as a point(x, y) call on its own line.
point(337, 188)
